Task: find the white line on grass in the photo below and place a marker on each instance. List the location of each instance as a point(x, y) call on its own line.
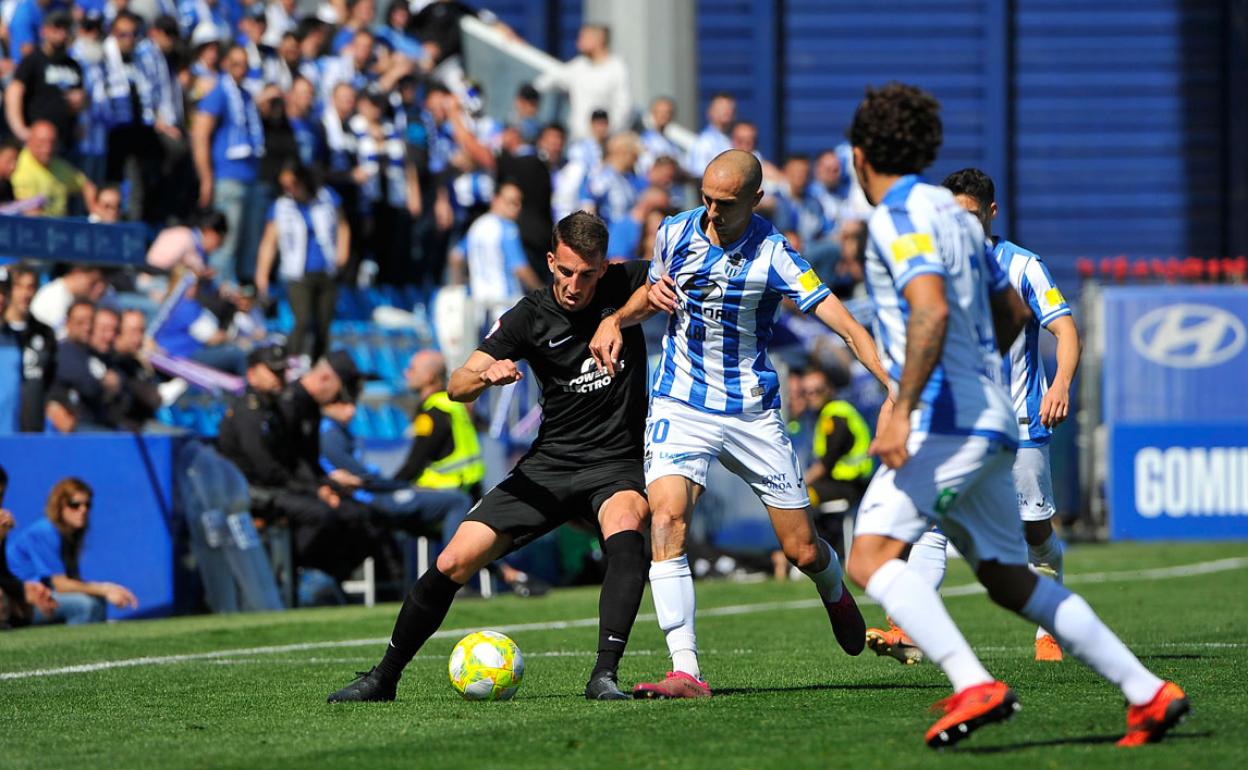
point(968, 589)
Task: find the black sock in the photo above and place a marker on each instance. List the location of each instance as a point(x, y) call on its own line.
point(423, 611)
point(622, 587)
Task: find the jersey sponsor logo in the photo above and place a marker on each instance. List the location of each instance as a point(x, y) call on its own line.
point(1191, 481)
point(700, 288)
point(557, 343)
point(778, 482)
point(911, 245)
point(1188, 336)
point(591, 378)
point(809, 281)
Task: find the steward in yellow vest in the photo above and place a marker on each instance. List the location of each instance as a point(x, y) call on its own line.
point(445, 452)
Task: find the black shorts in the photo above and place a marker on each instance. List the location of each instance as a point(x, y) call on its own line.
point(539, 495)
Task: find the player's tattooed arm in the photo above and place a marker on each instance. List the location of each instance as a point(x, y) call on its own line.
point(479, 372)
point(1055, 406)
point(834, 315)
point(925, 341)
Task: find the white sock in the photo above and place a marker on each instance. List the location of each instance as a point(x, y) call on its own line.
point(1077, 628)
point(929, 557)
point(828, 582)
point(916, 608)
point(671, 583)
point(1049, 555)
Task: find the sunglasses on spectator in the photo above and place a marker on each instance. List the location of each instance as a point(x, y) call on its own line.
point(78, 505)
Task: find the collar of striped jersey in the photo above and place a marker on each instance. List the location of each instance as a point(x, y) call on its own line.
point(896, 195)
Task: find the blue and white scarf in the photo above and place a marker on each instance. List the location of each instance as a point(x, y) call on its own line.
point(293, 232)
point(388, 157)
point(165, 87)
point(244, 132)
point(115, 77)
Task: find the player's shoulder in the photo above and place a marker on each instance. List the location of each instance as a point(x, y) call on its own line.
point(679, 228)
point(1008, 251)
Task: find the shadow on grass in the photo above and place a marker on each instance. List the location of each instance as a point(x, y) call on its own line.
point(726, 691)
point(1080, 740)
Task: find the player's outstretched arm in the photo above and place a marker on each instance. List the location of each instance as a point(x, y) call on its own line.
point(479, 372)
point(608, 341)
point(834, 315)
point(925, 341)
point(1055, 405)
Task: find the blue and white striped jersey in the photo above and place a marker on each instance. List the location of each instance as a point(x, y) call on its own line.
point(1023, 368)
point(918, 229)
point(715, 349)
point(493, 252)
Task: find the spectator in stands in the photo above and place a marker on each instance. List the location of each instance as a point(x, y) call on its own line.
point(744, 137)
point(665, 174)
point(37, 343)
point(341, 171)
point(262, 60)
point(52, 300)
point(25, 24)
point(393, 33)
point(307, 237)
point(141, 394)
point(191, 330)
point(588, 149)
point(612, 189)
point(797, 210)
point(10, 363)
point(595, 80)
point(360, 15)
point(418, 511)
point(107, 209)
point(306, 129)
point(276, 445)
point(389, 188)
point(498, 272)
point(840, 466)
point(655, 142)
point(188, 247)
point(49, 551)
point(41, 174)
point(192, 14)
point(436, 25)
point(18, 597)
point(281, 20)
point(829, 178)
point(48, 84)
point(720, 114)
point(134, 105)
point(518, 163)
point(266, 370)
point(228, 141)
point(82, 370)
point(205, 68)
point(9, 150)
point(524, 111)
point(626, 234)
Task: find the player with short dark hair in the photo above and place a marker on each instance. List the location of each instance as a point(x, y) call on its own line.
point(584, 465)
point(945, 312)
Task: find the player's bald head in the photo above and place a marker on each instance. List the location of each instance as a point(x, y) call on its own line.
point(737, 169)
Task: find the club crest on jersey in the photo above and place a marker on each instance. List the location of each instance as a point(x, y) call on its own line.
point(736, 262)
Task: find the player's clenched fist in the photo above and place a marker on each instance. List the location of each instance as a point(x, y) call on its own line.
point(502, 373)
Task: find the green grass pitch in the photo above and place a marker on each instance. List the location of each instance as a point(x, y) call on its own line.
point(252, 692)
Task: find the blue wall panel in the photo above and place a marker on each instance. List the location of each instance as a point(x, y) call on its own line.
point(738, 54)
point(1118, 141)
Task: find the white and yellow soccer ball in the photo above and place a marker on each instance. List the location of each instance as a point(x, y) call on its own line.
point(486, 665)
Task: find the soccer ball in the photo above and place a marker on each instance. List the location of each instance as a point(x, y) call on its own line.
point(486, 665)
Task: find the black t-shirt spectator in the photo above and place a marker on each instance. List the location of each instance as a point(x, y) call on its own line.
point(532, 176)
point(46, 79)
point(587, 415)
point(38, 345)
point(438, 22)
point(81, 370)
point(280, 145)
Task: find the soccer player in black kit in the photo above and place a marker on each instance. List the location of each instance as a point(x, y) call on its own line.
point(585, 464)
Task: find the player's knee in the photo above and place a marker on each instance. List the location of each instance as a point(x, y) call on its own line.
point(457, 565)
point(1008, 585)
point(803, 555)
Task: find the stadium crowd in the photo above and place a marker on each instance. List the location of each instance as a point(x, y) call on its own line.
point(280, 151)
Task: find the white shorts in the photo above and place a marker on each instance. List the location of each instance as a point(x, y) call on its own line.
point(962, 483)
point(682, 441)
point(1034, 482)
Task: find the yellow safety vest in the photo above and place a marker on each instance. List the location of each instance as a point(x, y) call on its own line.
point(856, 463)
point(463, 467)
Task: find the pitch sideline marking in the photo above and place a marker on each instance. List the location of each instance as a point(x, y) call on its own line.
point(967, 589)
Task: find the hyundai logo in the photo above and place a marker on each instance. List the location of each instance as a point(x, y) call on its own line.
point(1188, 336)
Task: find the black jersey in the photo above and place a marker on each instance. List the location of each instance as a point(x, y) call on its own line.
point(588, 416)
